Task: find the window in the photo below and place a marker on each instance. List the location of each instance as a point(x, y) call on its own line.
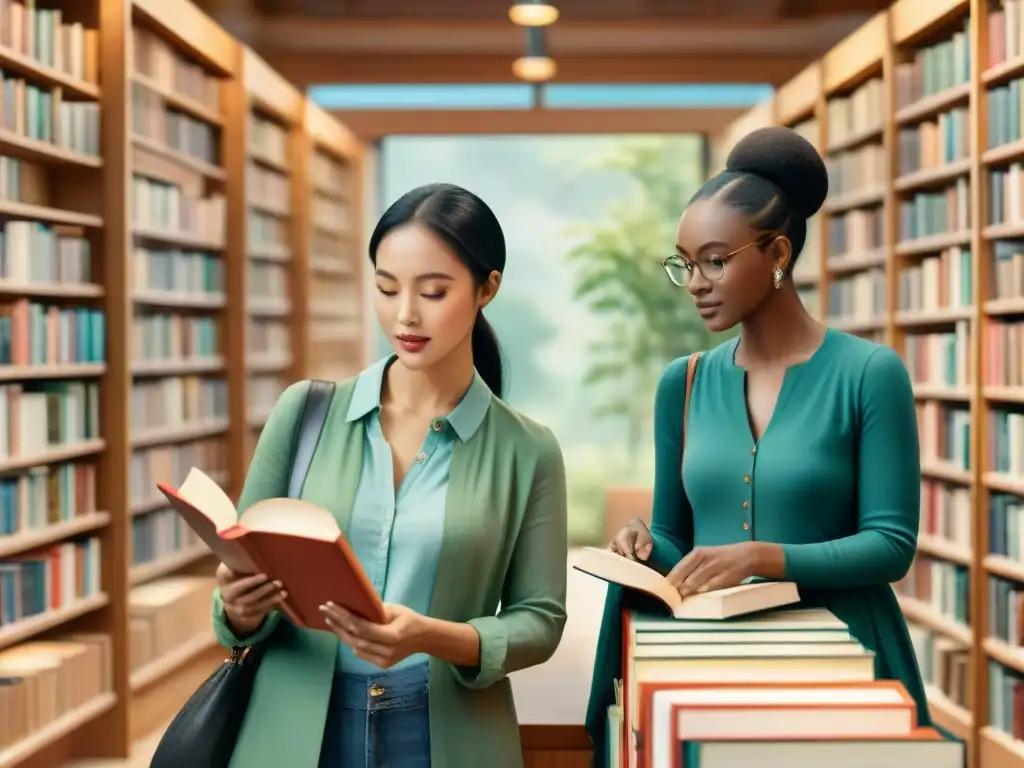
point(423, 96)
point(640, 96)
point(521, 96)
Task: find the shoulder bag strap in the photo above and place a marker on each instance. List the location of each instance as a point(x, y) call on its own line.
point(691, 371)
point(311, 423)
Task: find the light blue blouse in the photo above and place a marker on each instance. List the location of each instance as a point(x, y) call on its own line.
point(397, 536)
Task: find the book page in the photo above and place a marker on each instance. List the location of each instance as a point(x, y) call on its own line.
point(291, 517)
point(204, 494)
point(609, 566)
point(210, 513)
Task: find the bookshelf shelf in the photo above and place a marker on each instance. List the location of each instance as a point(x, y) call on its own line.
point(33, 538)
point(167, 564)
point(31, 68)
point(23, 629)
point(144, 229)
point(951, 716)
point(1005, 654)
point(999, 750)
point(929, 177)
point(998, 565)
point(934, 104)
point(69, 452)
point(922, 613)
point(1006, 70)
point(58, 729)
point(855, 139)
point(13, 209)
point(166, 665)
point(939, 547)
point(13, 145)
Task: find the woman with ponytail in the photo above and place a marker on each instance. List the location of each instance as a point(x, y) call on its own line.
point(453, 503)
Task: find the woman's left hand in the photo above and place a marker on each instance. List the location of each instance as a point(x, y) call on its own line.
point(708, 568)
point(382, 644)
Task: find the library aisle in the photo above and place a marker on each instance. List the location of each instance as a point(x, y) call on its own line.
point(163, 279)
point(921, 246)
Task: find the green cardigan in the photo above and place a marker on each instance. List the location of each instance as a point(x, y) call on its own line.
point(505, 541)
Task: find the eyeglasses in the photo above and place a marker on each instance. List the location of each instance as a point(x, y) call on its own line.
point(712, 267)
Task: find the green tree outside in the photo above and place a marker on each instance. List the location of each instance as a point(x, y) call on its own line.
point(649, 321)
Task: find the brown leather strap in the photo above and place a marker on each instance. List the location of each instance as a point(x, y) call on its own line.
point(691, 372)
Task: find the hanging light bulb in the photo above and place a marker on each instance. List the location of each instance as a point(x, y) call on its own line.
point(535, 66)
point(534, 69)
point(532, 13)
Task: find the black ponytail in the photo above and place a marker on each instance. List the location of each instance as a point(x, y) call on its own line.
point(487, 354)
point(470, 228)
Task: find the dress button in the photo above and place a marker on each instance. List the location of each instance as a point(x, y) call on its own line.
point(746, 505)
point(376, 690)
point(746, 479)
point(746, 527)
point(438, 425)
point(753, 450)
point(420, 458)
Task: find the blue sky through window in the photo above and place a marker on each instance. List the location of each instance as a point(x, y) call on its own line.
point(564, 95)
point(520, 96)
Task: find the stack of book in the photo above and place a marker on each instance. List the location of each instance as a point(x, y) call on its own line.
point(734, 677)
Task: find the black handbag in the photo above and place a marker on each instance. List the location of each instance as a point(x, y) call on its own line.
point(203, 734)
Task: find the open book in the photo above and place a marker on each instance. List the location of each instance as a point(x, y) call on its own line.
point(292, 541)
point(719, 604)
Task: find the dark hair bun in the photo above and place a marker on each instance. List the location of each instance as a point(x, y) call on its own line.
point(788, 160)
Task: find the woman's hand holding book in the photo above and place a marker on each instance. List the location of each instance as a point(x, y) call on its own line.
point(634, 541)
point(247, 599)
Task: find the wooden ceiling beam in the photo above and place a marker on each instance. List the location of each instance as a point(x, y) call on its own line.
point(372, 125)
point(713, 36)
point(312, 69)
point(571, 9)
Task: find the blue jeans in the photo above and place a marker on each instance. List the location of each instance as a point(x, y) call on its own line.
point(380, 721)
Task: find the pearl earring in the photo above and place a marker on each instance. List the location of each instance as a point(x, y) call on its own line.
point(777, 275)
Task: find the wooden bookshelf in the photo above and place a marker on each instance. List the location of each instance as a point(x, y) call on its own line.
point(126, 359)
point(335, 302)
point(179, 66)
point(271, 215)
point(761, 115)
point(948, 253)
point(798, 106)
point(854, 78)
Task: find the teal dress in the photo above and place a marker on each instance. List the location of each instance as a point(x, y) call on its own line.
point(835, 479)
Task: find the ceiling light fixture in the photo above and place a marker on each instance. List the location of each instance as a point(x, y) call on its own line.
point(533, 13)
point(534, 69)
point(536, 66)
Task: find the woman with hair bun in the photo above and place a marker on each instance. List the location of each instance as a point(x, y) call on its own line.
point(454, 504)
point(802, 459)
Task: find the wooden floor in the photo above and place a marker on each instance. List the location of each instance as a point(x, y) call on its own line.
point(551, 694)
point(142, 753)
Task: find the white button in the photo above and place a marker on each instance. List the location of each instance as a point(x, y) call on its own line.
point(420, 458)
point(438, 425)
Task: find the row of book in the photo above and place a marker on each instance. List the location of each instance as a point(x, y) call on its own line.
point(177, 401)
point(42, 115)
point(49, 579)
point(44, 680)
